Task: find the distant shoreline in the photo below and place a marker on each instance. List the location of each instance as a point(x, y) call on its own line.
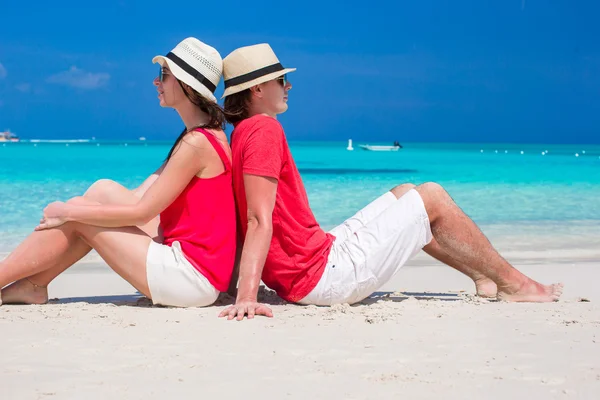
point(333, 143)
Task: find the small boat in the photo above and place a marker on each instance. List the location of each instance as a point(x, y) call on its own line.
point(8, 136)
point(397, 146)
point(59, 140)
point(379, 148)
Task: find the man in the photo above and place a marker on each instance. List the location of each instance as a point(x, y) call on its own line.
point(282, 243)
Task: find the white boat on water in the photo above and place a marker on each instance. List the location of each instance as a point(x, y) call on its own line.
point(59, 140)
point(8, 136)
point(379, 148)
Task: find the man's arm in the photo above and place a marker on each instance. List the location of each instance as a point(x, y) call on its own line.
point(261, 193)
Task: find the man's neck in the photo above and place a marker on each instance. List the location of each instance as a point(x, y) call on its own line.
point(256, 109)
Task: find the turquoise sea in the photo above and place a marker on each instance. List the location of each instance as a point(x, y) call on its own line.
point(545, 186)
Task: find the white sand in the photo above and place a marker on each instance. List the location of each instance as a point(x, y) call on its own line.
point(430, 342)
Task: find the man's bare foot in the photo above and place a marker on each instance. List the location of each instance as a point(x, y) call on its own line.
point(24, 292)
point(532, 292)
point(486, 288)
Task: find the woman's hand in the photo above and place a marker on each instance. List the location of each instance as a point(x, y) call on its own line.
point(55, 214)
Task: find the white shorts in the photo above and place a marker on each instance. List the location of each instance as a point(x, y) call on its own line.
point(370, 248)
point(173, 280)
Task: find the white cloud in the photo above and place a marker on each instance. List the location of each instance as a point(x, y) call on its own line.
point(23, 87)
point(2, 71)
point(80, 79)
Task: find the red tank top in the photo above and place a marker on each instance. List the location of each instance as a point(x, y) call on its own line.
point(202, 219)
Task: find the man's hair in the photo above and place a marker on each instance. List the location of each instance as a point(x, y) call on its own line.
point(236, 106)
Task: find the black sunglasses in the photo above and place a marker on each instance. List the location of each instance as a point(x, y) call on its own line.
point(283, 80)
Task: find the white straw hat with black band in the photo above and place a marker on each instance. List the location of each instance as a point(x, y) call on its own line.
point(196, 64)
point(249, 66)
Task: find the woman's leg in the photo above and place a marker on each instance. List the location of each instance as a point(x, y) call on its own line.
point(52, 249)
point(42, 250)
point(123, 249)
point(103, 191)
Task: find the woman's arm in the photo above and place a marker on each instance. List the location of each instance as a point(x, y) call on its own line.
point(175, 176)
point(140, 190)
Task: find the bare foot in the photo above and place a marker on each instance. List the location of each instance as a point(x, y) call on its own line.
point(532, 292)
point(486, 288)
point(23, 292)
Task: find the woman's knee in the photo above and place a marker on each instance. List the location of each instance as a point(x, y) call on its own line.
point(79, 200)
point(402, 189)
point(100, 190)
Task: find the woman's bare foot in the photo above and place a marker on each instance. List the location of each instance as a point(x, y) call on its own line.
point(486, 287)
point(532, 292)
point(24, 292)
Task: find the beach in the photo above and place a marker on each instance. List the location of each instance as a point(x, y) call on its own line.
point(423, 335)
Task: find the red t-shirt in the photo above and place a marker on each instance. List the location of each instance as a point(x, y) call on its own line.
point(299, 247)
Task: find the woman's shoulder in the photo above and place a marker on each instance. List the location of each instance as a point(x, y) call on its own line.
point(200, 137)
point(196, 139)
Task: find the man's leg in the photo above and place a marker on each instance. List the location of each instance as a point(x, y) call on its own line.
point(459, 237)
point(484, 286)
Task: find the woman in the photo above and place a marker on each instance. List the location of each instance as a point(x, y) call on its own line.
point(185, 257)
point(284, 245)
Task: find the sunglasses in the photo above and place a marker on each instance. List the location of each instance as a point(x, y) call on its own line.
point(161, 74)
point(283, 80)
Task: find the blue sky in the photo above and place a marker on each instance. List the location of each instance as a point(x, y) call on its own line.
point(424, 71)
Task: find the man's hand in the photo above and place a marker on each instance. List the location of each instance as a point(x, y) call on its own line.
point(246, 307)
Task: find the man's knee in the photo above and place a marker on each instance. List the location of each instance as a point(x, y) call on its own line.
point(434, 197)
point(402, 189)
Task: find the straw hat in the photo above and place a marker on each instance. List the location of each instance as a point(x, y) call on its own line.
point(195, 64)
point(249, 66)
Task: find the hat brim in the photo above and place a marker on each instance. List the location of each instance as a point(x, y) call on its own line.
point(247, 85)
point(185, 77)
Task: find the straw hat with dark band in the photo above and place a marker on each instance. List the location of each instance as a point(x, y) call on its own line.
point(250, 66)
point(196, 64)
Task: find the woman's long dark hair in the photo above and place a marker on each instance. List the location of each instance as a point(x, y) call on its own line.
point(214, 111)
point(236, 106)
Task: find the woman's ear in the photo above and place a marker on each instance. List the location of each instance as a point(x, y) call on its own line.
point(256, 90)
